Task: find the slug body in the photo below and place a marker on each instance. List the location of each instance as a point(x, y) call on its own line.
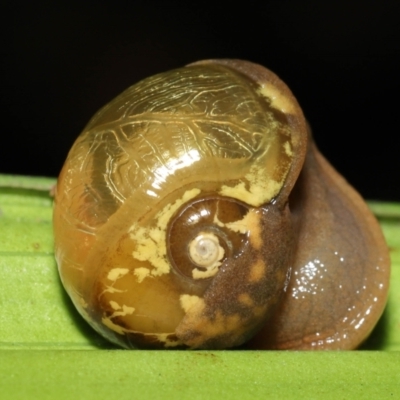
point(194, 211)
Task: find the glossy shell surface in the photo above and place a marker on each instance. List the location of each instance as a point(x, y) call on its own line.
point(183, 217)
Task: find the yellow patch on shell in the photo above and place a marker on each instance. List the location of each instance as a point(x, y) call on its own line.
point(114, 327)
point(110, 289)
point(119, 311)
point(208, 273)
point(141, 273)
point(278, 100)
point(216, 221)
point(194, 309)
point(220, 325)
point(168, 211)
point(151, 246)
point(249, 223)
point(187, 301)
point(257, 271)
point(261, 188)
point(82, 310)
point(116, 273)
point(151, 241)
point(114, 305)
point(82, 302)
point(165, 338)
point(288, 149)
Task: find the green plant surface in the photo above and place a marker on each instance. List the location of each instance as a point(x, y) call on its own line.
point(119, 374)
point(48, 351)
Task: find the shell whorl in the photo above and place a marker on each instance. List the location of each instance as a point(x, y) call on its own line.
point(174, 129)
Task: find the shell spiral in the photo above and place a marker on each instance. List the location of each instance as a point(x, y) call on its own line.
point(169, 203)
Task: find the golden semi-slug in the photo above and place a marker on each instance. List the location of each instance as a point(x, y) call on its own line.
point(195, 211)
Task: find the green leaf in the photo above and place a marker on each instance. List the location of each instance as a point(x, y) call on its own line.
point(48, 351)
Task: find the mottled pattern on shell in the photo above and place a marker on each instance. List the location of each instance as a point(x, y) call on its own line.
point(207, 117)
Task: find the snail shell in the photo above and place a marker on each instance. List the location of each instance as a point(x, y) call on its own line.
point(194, 211)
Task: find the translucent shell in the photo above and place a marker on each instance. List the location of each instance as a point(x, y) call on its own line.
point(171, 201)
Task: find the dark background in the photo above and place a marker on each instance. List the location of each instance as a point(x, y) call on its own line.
point(62, 60)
